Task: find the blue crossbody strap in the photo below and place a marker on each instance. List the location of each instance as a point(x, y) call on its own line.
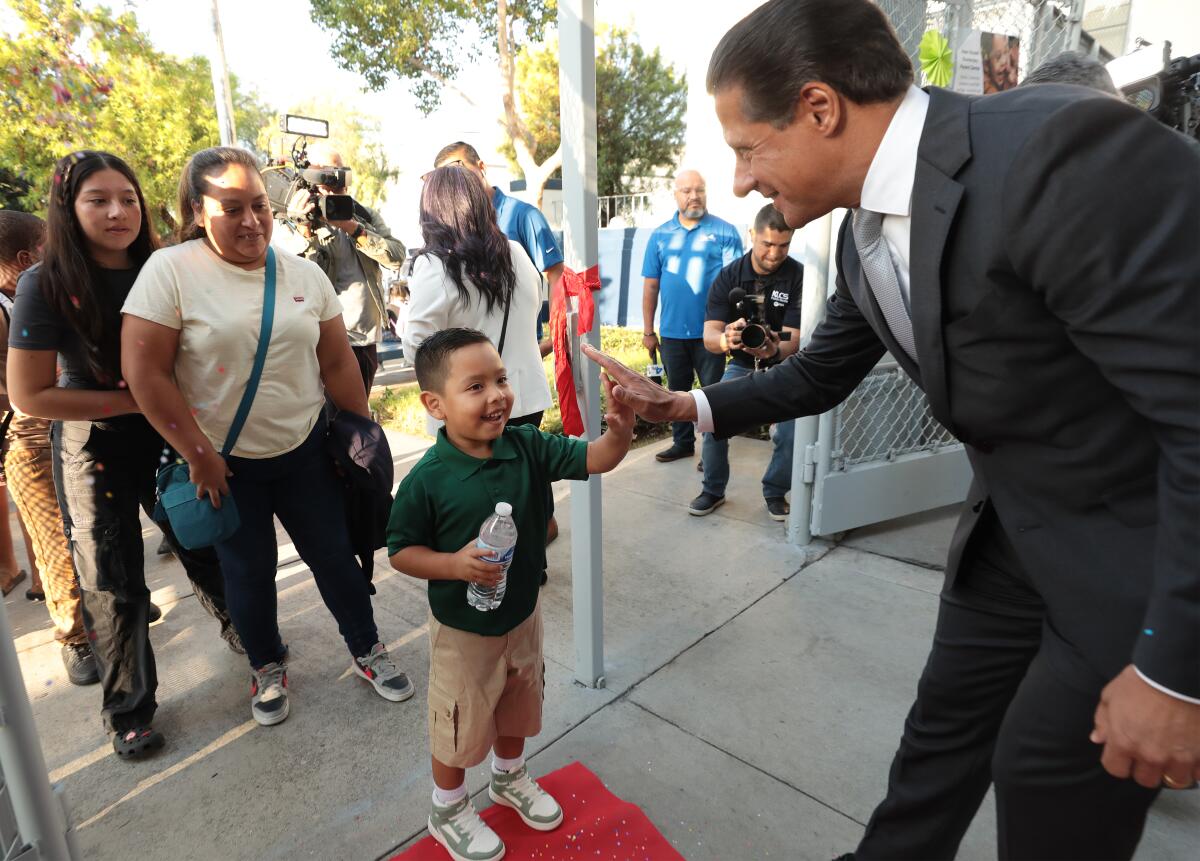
point(260, 357)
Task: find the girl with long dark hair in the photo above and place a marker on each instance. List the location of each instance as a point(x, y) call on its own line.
point(470, 275)
point(105, 453)
point(191, 333)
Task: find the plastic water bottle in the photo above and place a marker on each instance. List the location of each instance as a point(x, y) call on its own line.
point(499, 535)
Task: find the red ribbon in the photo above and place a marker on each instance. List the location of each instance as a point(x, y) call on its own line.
point(570, 284)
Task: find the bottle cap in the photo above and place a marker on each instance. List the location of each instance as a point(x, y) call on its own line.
point(504, 509)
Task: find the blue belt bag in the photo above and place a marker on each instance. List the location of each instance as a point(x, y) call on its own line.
point(195, 521)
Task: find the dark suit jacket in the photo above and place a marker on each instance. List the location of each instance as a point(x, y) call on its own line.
point(1055, 269)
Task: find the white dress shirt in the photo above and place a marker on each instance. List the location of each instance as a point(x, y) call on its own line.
point(888, 190)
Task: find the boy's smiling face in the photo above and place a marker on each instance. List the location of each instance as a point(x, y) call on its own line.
point(476, 399)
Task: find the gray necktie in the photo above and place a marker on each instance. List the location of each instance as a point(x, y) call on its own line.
point(880, 270)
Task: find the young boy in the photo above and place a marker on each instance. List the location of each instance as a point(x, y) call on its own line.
point(486, 675)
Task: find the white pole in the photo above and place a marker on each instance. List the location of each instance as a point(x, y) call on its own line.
point(577, 100)
point(220, 78)
point(41, 818)
point(818, 237)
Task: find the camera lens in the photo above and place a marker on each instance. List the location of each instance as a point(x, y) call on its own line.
point(754, 336)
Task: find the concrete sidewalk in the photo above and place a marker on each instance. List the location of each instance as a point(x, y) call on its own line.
point(755, 695)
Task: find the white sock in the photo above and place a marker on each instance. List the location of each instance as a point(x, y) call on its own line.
point(445, 797)
point(506, 766)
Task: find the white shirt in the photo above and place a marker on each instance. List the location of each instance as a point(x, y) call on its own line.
point(435, 304)
point(888, 190)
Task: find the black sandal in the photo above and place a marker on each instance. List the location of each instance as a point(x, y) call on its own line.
point(32, 595)
point(137, 742)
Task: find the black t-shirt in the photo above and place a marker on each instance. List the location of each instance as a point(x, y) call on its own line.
point(781, 291)
point(38, 326)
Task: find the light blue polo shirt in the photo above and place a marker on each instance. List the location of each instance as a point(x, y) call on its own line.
point(524, 223)
point(686, 262)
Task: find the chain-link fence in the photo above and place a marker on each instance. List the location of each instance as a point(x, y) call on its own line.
point(1041, 28)
point(886, 416)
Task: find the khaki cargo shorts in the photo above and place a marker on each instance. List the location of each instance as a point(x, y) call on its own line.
point(483, 687)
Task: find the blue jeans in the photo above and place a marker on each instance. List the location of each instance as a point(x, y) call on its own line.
point(301, 489)
point(683, 359)
point(777, 480)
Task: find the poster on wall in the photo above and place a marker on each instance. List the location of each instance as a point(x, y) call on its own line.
point(986, 63)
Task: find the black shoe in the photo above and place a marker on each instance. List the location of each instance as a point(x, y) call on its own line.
point(137, 742)
point(849, 856)
point(155, 613)
point(778, 508)
point(80, 664)
point(675, 452)
point(164, 549)
point(705, 503)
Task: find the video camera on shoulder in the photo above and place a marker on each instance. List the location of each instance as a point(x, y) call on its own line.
point(1171, 96)
point(749, 306)
point(284, 181)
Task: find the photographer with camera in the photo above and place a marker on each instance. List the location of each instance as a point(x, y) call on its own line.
point(753, 314)
point(352, 252)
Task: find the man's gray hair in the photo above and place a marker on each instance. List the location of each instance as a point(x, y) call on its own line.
point(1070, 67)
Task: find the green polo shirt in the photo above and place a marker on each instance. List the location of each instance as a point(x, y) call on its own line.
point(448, 495)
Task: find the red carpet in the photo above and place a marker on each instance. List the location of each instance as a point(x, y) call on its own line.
point(596, 825)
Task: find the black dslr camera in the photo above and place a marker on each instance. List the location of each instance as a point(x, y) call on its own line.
point(1171, 96)
point(283, 181)
point(749, 306)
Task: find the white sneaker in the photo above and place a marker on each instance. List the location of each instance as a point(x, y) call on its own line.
point(387, 679)
point(536, 807)
point(463, 833)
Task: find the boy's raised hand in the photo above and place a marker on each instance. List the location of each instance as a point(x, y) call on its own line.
point(620, 416)
point(468, 565)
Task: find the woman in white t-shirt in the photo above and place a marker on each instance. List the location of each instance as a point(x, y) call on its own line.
point(467, 275)
point(189, 338)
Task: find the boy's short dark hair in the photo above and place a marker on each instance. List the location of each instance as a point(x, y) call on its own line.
point(19, 231)
point(460, 148)
point(432, 361)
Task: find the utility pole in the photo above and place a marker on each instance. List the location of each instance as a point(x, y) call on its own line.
point(220, 78)
point(577, 107)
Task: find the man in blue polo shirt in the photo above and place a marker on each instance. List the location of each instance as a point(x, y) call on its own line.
point(519, 221)
point(682, 259)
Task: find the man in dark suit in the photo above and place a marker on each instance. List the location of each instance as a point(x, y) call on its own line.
point(1032, 260)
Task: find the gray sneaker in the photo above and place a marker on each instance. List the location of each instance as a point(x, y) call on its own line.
point(463, 833)
point(269, 694)
point(536, 807)
point(387, 679)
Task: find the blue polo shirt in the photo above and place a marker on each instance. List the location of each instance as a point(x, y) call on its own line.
point(686, 262)
point(523, 223)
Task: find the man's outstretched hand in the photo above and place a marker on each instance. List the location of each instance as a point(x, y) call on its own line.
point(649, 400)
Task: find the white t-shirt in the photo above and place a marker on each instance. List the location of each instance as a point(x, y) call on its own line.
point(217, 308)
point(434, 304)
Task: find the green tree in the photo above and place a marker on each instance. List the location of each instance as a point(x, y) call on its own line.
point(81, 77)
point(641, 102)
point(351, 133)
point(427, 42)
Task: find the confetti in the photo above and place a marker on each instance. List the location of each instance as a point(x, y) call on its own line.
point(108, 494)
point(172, 425)
point(75, 301)
point(121, 384)
point(199, 450)
point(24, 333)
point(1149, 632)
point(99, 467)
point(220, 369)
